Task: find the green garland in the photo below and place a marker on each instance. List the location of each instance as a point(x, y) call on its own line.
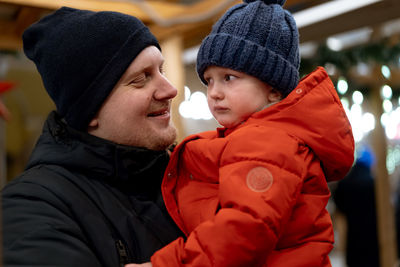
point(382, 52)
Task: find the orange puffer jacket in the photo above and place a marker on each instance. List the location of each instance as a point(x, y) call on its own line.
point(256, 195)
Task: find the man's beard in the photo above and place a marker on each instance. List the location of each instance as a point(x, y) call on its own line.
point(162, 143)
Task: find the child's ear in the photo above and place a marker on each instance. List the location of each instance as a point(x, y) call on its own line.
point(274, 96)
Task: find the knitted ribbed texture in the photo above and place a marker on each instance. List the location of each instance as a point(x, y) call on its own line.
point(259, 38)
point(81, 55)
point(279, 2)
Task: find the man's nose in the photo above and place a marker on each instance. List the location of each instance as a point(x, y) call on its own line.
point(165, 89)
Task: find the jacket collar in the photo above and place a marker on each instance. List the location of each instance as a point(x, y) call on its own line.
point(131, 168)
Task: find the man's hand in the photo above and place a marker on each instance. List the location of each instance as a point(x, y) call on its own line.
point(146, 264)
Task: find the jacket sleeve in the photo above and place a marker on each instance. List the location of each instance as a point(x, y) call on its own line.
point(260, 179)
point(38, 230)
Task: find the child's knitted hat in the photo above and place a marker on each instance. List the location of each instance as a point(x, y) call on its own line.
point(257, 37)
point(81, 55)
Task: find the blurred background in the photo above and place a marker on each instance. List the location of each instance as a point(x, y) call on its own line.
point(358, 42)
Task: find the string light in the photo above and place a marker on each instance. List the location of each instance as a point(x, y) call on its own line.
point(342, 86)
point(384, 119)
point(368, 122)
point(358, 97)
point(195, 106)
point(386, 72)
point(345, 102)
point(387, 105)
point(386, 92)
point(334, 44)
point(392, 123)
point(363, 68)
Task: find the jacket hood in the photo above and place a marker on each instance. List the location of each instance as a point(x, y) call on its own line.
point(314, 113)
point(97, 158)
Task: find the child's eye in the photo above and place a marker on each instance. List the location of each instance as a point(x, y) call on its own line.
point(208, 80)
point(229, 77)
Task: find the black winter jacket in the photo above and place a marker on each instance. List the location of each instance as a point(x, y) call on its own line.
point(85, 201)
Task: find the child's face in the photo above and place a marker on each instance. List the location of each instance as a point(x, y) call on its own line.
point(233, 96)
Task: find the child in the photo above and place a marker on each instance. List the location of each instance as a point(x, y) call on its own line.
point(253, 193)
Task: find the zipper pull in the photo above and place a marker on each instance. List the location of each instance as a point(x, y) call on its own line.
point(123, 255)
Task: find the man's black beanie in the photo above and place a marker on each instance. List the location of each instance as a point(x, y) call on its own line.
point(81, 55)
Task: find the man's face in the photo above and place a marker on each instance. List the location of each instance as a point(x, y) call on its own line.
point(137, 112)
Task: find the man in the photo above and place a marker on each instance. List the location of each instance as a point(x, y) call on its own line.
point(90, 194)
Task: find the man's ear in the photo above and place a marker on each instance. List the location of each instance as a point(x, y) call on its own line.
point(94, 123)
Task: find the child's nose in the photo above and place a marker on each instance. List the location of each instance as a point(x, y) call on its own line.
point(215, 92)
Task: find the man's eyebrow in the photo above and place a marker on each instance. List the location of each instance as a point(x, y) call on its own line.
point(128, 76)
point(149, 66)
point(145, 67)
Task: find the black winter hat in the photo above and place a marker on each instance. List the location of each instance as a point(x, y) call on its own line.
point(81, 55)
point(257, 37)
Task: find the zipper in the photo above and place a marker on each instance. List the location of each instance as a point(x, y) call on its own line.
point(123, 255)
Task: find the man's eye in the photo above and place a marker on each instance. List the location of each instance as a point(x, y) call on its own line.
point(139, 81)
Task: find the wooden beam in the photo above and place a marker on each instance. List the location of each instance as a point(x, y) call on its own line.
point(192, 33)
point(297, 5)
point(384, 208)
point(26, 16)
point(175, 72)
point(165, 9)
point(196, 35)
point(10, 42)
point(6, 26)
point(207, 5)
point(290, 3)
point(370, 15)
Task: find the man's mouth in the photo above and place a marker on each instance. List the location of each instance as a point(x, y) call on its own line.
point(157, 113)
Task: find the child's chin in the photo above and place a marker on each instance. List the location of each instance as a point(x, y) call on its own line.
point(228, 124)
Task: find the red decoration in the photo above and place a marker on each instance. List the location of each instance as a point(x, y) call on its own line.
point(5, 86)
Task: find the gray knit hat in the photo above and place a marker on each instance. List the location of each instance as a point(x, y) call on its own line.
point(259, 38)
point(81, 55)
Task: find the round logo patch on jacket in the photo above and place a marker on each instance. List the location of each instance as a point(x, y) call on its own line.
point(259, 179)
